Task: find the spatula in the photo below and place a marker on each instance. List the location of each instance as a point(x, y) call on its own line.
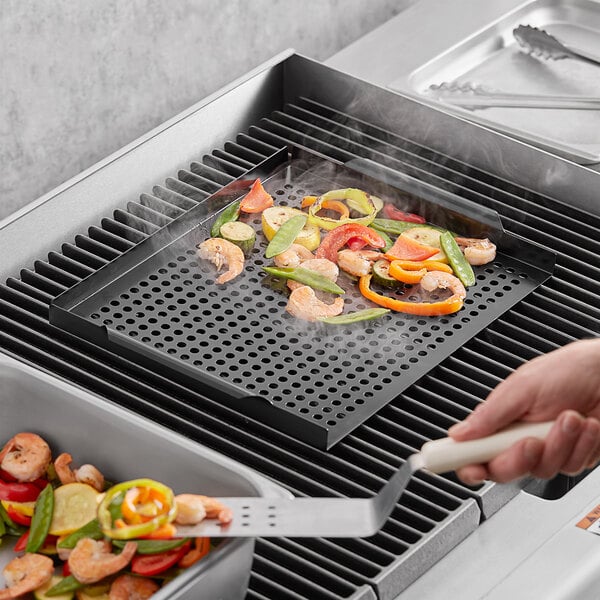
point(355, 517)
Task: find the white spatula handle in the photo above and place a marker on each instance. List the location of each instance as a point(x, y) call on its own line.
point(440, 456)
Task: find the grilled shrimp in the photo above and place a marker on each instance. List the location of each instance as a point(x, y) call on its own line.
point(357, 262)
point(193, 508)
point(222, 252)
point(304, 304)
point(90, 561)
point(293, 257)
point(131, 587)
point(25, 574)
point(85, 474)
point(25, 456)
point(434, 280)
point(477, 251)
point(322, 266)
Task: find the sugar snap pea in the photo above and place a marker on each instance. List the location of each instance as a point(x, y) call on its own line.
point(457, 260)
point(153, 546)
point(354, 317)
point(307, 277)
point(2, 528)
point(386, 238)
point(231, 213)
point(397, 227)
point(40, 522)
point(89, 530)
point(285, 235)
point(64, 586)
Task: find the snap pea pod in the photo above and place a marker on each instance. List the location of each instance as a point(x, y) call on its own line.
point(311, 278)
point(153, 546)
point(397, 227)
point(9, 525)
point(64, 586)
point(2, 528)
point(354, 317)
point(231, 213)
point(457, 260)
point(40, 522)
point(90, 530)
point(285, 235)
point(386, 238)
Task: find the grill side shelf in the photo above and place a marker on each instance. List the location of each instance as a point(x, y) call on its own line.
point(158, 304)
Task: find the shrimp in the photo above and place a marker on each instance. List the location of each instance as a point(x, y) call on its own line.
point(85, 474)
point(477, 251)
point(322, 266)
point(25, 574)
point(293, 257)
point(90, 561)
point(357, 262)
point(304, 304)
point(131, 587)
point(222, 252)
point(434, 280)
point(192, 509)
point(25, 456)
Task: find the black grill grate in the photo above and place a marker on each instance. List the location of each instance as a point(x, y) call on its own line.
point(563, 309)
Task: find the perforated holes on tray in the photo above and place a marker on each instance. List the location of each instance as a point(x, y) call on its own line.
point(241, 332)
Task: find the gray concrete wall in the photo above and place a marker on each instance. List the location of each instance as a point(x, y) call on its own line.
point(80, 78)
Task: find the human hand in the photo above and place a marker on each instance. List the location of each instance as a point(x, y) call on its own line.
point(563, 385)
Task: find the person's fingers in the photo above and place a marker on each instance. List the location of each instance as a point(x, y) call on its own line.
point(584, 449)
point(559, 444)
point(594, 457)
point(516, 462)
point(472, 474)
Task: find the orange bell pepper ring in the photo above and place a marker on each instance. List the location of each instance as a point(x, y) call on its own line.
point(257, 199)
point(430, 265)
point(424, 309)
point(406, 275)
point(201, 549)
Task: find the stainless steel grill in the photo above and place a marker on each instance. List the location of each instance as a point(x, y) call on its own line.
point(436, 512)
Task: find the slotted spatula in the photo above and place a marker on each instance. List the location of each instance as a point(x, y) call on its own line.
point(354, 517)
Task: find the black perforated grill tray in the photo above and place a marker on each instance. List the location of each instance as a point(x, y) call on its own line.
point(159, 303)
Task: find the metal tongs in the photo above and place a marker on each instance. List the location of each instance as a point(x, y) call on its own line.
point(471, 96)
point(354, 517)
point(541, 44)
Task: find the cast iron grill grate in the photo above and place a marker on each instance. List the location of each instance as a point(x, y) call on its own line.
point(565, 308)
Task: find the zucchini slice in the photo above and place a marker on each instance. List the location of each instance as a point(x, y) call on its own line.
point(381, 274)
point(240, 234)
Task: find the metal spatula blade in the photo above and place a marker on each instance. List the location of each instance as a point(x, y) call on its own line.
point(354, 517)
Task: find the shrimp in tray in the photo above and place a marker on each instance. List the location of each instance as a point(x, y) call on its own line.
point(357, 262)
point(440, 280)
point(132, 587)
point(25, 574)
point(222, 253)
point(91, 560)
point(477, 251)
point(293, 257)
point(85, 474)
point(304, 304)
point(25, 457)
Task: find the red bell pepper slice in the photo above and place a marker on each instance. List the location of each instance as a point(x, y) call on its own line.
point(337, 238)
point(257, 199)
point(17, 517)
point(356, 243)
point(391, 212)
point(405, 248)
point(19, 492)
point(66, 570)
point(153, 564)
point(22, 542)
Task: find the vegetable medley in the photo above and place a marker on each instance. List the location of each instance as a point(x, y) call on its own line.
point(383, 249)
point(79, 536)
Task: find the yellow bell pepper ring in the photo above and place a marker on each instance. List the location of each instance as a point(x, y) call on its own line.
point(355, 198)
point(136, 508)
